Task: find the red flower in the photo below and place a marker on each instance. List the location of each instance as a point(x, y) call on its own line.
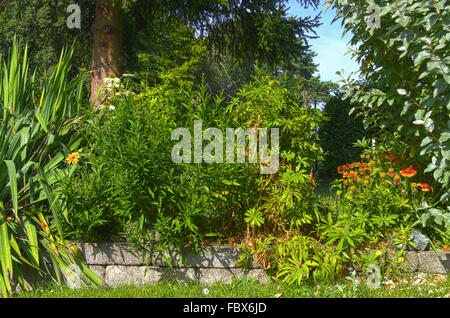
point(350, 175)
point(425, 187)
point(408, 172)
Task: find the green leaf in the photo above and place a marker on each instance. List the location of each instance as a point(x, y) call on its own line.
point(13, 184)
point(429, 124)
point(426, 141)
point(437, 173)
point(5, 251)
point(446, 153)
point(401, 91)
point(444, 137)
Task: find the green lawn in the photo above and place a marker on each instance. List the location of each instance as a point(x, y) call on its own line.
point(410, 286)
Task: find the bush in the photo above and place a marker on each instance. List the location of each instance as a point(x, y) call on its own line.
point(127, 182)
point(135, 188)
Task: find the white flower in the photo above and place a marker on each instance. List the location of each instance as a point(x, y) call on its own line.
point(111, 82)
point(111, 107)
point(206, 291)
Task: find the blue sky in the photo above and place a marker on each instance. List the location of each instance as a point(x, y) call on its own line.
point(330, 46)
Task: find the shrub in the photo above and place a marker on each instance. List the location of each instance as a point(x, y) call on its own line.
point(138, 191)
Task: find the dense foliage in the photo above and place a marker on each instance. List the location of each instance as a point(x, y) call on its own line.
point(127, 183)
point(405, 64)
point(69, 172)
point(35, 132)
point(338, 134)
point(243, 30)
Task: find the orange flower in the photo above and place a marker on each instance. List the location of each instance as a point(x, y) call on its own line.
point(408, 172)
point(391, 172)
point(341, 169)
point(352, 174)
point(425, 187)
point(73, 158)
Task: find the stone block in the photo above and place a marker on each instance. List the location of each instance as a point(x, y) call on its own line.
point(137, 275)
point(98, 270)
point(110, 254)
point(120, 254)
point(207, 257)
point(210, 276)
point(430, 263)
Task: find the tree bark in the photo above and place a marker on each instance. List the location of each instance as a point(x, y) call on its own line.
point(107, 49)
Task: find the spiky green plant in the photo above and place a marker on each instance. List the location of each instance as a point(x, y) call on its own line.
point(35, 133)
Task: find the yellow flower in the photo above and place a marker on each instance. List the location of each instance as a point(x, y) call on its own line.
point(371, 163)
point(400, 260)
point(73, 158)
point(225, 192)
point(382, 175)
point(378, 253)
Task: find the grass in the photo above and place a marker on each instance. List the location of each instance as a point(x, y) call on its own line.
point(413, 286)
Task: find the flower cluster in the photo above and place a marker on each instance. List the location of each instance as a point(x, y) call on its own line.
point(364, 173)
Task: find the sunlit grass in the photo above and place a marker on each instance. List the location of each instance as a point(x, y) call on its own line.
point(411, 286)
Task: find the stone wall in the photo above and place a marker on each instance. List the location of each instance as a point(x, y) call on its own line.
point(117, 265)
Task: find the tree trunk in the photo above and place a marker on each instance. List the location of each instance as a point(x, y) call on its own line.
point(107, 49)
